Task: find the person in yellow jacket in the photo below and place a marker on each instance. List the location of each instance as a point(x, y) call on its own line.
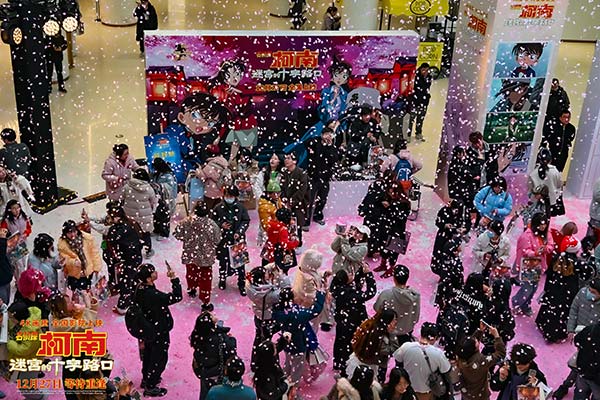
point(268, 204)
point(81, 255)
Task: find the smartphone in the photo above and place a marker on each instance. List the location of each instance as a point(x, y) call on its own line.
point(340, 229)
point(168, 266)
point(532, 373)
point(220, 324)
point(486, 324)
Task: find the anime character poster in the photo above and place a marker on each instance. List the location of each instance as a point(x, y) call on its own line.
point(513, 103)
point(268, 91)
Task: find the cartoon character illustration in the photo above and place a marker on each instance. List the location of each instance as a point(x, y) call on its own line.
point(180, 53)
point(333, 104)
point(199, 119)
point(514, 96)
point(236, 98)
point(527, 55)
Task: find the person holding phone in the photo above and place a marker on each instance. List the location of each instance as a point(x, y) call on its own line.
point(520, 370)
point(473, 367)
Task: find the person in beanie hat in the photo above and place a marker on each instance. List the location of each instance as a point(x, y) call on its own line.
point(516, 371)
point(562, 285)
point(233, 387)
point(155, 306)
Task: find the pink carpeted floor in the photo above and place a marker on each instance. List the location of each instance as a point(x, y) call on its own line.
point(236, 311)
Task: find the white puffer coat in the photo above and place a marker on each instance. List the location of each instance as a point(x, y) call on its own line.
point(139, 203)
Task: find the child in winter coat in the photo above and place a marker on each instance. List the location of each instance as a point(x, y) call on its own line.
point(308, 279)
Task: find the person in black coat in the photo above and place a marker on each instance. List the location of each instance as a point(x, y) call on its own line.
point(473, 300)
point(6, 269)
point(125, 245)
point(449, 222)
point(233, 219)
point(322, 156)
point(147, 20)
point(350, 311)
point(557, 101)
point(295, 190)
point(56, 45)
point(269, 378)
point(420, 101)
point(588, 362)
point(558, 136)
point(451, 273)
point(371, 210)
point(155, 307)
point(515, 372)
point(475, 160)
point(213, 346)
point(499, 314)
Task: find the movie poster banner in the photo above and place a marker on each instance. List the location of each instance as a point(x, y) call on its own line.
point(265, 90)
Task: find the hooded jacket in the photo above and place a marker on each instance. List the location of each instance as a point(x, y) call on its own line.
point(527, 246)
point(116, 175)
point(92, 257)
point(406, 303)
point(277, 234)
point(139, 203)
point(308, 280)
point(348, 392)
point(200, 238)
point(347, 257)
point(392, 160)
point(264, 297)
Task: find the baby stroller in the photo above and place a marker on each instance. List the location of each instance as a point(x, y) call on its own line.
point(414, 194)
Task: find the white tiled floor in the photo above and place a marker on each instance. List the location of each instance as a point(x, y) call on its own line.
point(106, 100)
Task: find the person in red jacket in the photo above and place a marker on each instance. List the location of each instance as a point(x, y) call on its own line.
point(279, 238)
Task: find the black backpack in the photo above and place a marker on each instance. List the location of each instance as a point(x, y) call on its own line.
point(453, 323)
point(137, 324)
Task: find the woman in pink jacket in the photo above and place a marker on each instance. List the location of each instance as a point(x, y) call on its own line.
point(533, 246)
point(117, 171)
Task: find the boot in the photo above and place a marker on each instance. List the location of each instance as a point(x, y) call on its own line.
point(382, 266)
point(222, 283)
point(388, 272)
point(560, 392)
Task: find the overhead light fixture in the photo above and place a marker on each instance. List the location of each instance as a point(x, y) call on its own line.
point(70, 24)
point(51, 27)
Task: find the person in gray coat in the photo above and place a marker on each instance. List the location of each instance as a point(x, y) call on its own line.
point(139, 203)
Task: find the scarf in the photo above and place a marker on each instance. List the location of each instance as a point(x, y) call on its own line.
point(77, 246)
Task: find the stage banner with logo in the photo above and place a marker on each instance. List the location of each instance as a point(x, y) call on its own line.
point(503, 57)
point(265, 90)
point(419, 8)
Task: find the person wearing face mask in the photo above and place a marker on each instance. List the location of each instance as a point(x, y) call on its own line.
point(233, 219)
point(584, 312)
point(520, 370)
point(322, 156)
point(473, 367)
point(545, 174)
point(490, 248)
point(533, 246)
point(117, 171)
point(45, 258)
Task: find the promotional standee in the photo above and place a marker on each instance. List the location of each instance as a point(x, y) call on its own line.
point(206, 91)
point(501, 88)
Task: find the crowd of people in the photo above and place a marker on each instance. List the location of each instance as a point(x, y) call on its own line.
point(294, 296)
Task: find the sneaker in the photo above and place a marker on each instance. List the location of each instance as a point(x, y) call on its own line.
point(208, 307)
point(389, 272)
point(155, 392)
point(160, 238)
point(420, 138)
point(149, 254)
point(62, 89)
point(222, 284)
point(382, 267)
point(560, 392)
point(191, 292)
point(242, 291)
point(320, 222)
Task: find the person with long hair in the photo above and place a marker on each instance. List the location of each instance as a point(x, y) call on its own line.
point(140, 202)
point(200, 236)
point(499, 314)
point(398, 386)
point(269, 379)
point(45, 259)
point(212, 346)
point(450, 224)
point(533, 246)
point(545, 174)
point(362, 386)
point(12, 187)
point(17, 222)
point(81, 256)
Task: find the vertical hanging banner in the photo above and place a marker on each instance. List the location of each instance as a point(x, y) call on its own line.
point(502, 90)
point(265, 91)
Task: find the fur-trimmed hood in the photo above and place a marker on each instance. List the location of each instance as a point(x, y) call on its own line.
point(350, 393)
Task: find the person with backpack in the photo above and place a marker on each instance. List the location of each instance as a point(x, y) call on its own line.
point(154, 307)
point(125, 244)
point(422, 360)
point(402, 162)
point(212, 345)
point(493, 202)
point(231, 216)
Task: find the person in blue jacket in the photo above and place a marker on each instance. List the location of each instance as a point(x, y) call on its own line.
point(493, 202)
point(294, 321)
point(233, 387)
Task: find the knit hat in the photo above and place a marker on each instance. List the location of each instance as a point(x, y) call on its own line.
point(31, 282)
point(311, 260)
point(570, 244)
point(273, 186)
point(363, 229)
